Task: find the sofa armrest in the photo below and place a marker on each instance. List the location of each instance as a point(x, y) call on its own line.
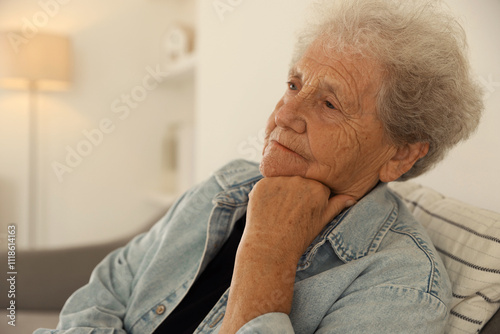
point(46, 278)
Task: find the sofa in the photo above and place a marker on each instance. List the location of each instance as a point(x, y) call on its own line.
point(466, 237)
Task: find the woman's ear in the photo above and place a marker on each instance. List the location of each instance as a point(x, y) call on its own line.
point(402, 161)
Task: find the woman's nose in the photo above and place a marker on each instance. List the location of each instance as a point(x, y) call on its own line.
point(291, 114)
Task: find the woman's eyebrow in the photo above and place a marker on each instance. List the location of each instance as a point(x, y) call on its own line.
point(294, 72)
point(325, 85)
point(329, 86)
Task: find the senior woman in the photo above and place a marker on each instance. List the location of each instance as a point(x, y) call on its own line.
point(310, 241)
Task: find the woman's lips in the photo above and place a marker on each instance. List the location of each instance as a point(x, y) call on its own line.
point(282, 147)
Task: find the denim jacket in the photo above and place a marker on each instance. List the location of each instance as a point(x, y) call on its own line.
point(372, 269)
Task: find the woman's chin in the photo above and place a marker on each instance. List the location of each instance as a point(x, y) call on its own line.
point(273, 168)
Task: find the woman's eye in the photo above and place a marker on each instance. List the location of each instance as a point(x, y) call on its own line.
point(291, 86)
point(329, 105)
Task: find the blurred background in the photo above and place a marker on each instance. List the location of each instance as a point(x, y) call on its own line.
point(159, 94)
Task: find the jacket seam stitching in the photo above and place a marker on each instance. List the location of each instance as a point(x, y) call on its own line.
point(385, 286)
point(431, 260)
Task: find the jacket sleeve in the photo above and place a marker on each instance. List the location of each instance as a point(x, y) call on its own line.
point(381, 309)
point(387, 309)
point(100, 306)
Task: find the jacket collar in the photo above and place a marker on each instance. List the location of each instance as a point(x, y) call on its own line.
point(236, 173)
point(359, 231)
point(237, 179)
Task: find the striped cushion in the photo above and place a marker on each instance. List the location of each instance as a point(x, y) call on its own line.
point(468, 240)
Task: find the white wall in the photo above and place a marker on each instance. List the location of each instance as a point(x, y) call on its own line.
point(244, 54)
point(244, 57)
point(118, 187)
point(471, 171)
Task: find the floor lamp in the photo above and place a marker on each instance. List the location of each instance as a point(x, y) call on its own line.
point(34, 63)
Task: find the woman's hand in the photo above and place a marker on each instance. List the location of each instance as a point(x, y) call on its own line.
point(284, 215)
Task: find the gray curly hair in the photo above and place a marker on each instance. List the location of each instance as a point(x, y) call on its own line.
point(428, 93)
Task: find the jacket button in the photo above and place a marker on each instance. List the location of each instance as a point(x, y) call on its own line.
point(160, 309)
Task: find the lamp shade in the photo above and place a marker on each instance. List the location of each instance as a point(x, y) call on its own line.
point(42, 61)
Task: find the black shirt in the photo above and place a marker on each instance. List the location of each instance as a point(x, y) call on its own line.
point(206, 290)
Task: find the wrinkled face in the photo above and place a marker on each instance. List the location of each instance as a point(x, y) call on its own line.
point(325, 126)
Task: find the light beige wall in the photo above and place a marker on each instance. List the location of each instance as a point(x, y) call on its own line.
point(245, 49)
point(471, 171)
point(118, 186)
point(244, 58)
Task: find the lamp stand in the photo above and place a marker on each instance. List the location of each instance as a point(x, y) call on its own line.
point(33, 168)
